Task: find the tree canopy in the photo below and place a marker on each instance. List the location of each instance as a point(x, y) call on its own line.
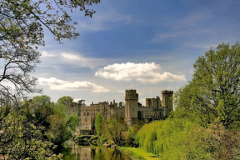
point(213, 94)
point(65, 100)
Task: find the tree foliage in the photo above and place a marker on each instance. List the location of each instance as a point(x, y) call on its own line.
point(22, 134)
point(213, 95)
point(182, 139)
point(99, 124)
point(21, 33)
point(113, 128)
point(61, 127)
point(65, 100)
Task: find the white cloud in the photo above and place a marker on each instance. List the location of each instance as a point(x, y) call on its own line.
point(72, 59)
point(57, 84)
point(82, 61)
point(142, 72)
point(46, 54)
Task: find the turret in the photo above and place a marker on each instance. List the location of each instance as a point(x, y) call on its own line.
point(167, 101)
point(131, 106)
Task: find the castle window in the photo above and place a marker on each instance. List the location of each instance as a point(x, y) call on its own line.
point(85, 119)
point(84, 113)
point(87, 114)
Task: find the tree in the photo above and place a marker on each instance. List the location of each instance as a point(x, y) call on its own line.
point(113, 128)
point(61, 127)
point(73, 122)
point(65, 100)
point(21, 33)
point(23, 132)
point(99, 124)
point(214, 92)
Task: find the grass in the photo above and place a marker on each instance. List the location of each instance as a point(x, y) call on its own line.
point(138, 152)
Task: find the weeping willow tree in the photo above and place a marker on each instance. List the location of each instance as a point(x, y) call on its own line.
point(182, 139)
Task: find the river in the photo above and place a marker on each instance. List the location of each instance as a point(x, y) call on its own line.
point(92, 153)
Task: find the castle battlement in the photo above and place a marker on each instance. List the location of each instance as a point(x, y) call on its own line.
point(131, 94)
point(167, 92)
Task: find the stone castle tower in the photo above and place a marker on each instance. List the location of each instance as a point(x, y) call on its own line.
point(131, 106)
point(153, 102)
point(167, 101)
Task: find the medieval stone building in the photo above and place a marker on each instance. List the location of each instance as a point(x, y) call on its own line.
point(155, 109)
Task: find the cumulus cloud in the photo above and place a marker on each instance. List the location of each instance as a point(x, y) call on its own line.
point(142, 72)
point(57, 84)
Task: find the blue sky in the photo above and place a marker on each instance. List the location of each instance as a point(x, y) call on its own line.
point(149, 46)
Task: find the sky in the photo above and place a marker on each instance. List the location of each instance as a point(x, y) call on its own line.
point(149, 46)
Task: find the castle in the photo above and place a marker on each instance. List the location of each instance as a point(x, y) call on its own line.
point(155, 109)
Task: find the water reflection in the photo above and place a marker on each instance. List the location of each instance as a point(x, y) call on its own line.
point(92, 153)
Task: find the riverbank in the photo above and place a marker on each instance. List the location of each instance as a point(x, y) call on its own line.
point(137, 153)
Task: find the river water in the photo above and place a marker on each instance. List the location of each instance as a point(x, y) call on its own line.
point(92, 153)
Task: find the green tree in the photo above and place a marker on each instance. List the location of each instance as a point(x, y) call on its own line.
point(61, 127)
point(113, 128)
point(22, 24)
point(65, 100)
point(41, 100)
point(99, 124)
point(22, 133)
point(73, 122)
point(213, 94)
